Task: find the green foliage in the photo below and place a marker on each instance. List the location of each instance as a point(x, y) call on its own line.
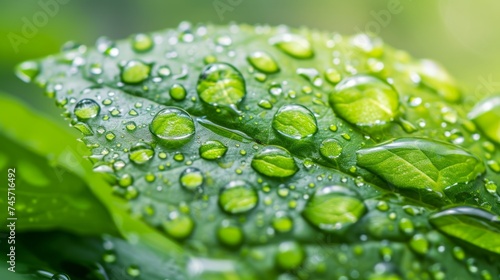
point(270, 164)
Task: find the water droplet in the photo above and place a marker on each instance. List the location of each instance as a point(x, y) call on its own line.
point(173, 126)
point(458, 253)
point(334, 208)
point(125, 180)
point(486, 115)
point(382, 206)
point(265, 104)
point(110, 136)
point(238, 197)
point(212, 150)
point(295, 122)
point(191, 179)
point(290, 255)
point(293, 45)
point(435, 77)
point(274, 161)
point(164, 71)
point(469, 224)
point(330, 149)
point(60, 276)
point(177, 92)
point(263, 62)
point(86, 109)
point(141, 153)
point(230, 234)
point(221, 84)
point(27, 71)
point(178, 226)
point(406, 226)
point(365, 101)
point(419, 244)
point(83, 128)
point(333, 76)
point(109, 257)
point(133, 271)
point(142, 42)
point(282, 222)
point(135, 71)
point(373, 46)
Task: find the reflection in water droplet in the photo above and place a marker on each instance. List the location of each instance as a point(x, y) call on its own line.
point(135, 71)
point(221, 84)
point(293, 45)
point(212, 150)
point(86, 109)
point(27, 71)
point(173, 126)
point(274, 161)
point(177, 92)
point(238, 197)
point(178, 226)
point(142, 42)
point(365, 101)
point(290, 255)
point(486, 115)
point(330, 149)
point(141, 153)
point(191, 179)
point(295, 122)
point(263, 62)
point(230, 234)
point(334, 208)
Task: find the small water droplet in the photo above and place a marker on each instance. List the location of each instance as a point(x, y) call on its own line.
point(274, 161)
point(238, 197)
point(290, 255)
point(177, 92)
point(330, 149)
point(27, 71)
point(221, 84)
point(142, 42)
point(191, 179)
point(263, 62)
point(135, 71)
point(212, 150)
point(365, 101)
point(86, 109)
point(173, 126)
point(295, 122)
point(141, 153)
point(230, 234)
point(334, 208)
point(293, 45)
point(282, 222)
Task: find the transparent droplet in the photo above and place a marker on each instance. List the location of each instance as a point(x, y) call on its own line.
point(142, 42)
point(178, 225)
point(86, 109)
point(177, 92)
point(293, 45)
point(173, 126)
point(230, 234)
point(274, 161)
point(334, 208)
point(221, 84)
point(27, 71)
point(238, 197)
point(191, 179)
point(263, 62)
point(330, 149)
point(135, 71)
point(290, 255)
point(141, 153)
point(295, 122)
point(212, 150)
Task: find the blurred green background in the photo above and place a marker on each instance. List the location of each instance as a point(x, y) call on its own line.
point(461, 34)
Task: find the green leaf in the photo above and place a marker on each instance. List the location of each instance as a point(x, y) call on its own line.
point(198, 167)
point(421, 164)
point(472, 225)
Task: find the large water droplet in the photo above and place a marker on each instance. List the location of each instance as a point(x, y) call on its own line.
point(178, 226)
point(486, 114)
point(27, 71)
point(435, 77)
point(86, 109)
point(135, 71)
point(293, 45)
point(295, 122)
point(173, 126)
point(229, 234)
point(274, 161)
point(221, 84)
point(141, 153)
point(472, 225)
point(334, 208)
point(238, 197)
point(191, 179)
point(290, 255)
point(365, 101)
point(212, 150)
point(263, 62)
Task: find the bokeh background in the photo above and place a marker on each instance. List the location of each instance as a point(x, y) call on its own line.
point(462, 35)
